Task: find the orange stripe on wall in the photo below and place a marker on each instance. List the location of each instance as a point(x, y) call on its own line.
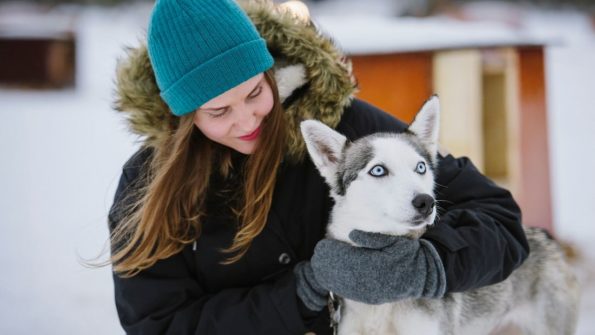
point(396, 83)
point(535, 200)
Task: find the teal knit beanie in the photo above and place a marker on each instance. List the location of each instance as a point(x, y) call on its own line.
point(199, 49)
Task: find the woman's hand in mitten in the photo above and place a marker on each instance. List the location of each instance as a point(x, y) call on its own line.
point(309, 291)
point(380, 269)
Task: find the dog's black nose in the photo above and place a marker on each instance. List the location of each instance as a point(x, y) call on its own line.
point(423, 203)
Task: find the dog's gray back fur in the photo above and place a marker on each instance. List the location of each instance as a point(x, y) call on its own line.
point(540, 297)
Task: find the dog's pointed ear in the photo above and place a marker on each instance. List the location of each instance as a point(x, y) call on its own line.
point(325, 147)
point(426, 125)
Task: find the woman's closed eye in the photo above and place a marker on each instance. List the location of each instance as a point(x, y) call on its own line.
point(218, 112)
point(256, 92)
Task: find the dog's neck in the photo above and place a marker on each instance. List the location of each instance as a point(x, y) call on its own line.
point(342, 222)
point(415, 234)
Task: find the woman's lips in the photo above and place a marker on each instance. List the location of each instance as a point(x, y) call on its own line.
point(252, 136)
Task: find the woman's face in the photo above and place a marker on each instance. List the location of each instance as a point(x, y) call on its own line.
point(234, 118)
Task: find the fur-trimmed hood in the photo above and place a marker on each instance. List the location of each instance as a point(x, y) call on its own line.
point(314, 79)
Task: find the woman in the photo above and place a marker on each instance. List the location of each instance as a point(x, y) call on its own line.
point(217, 218)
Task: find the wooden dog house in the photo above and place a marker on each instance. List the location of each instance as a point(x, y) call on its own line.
point(491, 84)
point(37, 49)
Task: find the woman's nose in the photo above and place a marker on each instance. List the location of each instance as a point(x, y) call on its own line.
point(246, 119)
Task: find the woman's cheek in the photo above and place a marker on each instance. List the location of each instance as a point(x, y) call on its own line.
point(268, 102)
point(211, 128)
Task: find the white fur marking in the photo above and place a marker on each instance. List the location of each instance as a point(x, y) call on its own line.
point(289, 79)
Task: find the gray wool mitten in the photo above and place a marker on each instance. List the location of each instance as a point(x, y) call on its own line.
point(310, 292)
point(381, 269)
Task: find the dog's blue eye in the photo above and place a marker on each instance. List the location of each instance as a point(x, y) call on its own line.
point(420, 168)
point(378, 171)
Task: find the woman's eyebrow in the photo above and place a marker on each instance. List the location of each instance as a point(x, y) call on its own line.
point(213, 108)
point(249, 94)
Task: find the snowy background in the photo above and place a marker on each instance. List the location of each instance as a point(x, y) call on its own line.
point(62, 152)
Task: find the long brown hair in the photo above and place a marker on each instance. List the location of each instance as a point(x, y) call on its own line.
point(170, 206)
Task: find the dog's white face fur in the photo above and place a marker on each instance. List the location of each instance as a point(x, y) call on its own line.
point(382, 182)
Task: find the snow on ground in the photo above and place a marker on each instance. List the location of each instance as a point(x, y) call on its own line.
point(62, 152)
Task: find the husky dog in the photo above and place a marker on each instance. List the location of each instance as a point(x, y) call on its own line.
point(540, 297)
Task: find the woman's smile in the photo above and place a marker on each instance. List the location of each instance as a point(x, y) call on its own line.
point(252, 136)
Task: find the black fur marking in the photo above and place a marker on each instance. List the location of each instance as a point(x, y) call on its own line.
point(353, 160)
point(547, 233)
point(416, 144)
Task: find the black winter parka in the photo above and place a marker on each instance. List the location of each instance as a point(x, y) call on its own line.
point(479, 238)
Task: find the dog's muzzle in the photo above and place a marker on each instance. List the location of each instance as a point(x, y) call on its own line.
point(424, 204)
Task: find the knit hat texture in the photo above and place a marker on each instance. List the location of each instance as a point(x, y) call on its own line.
point(200, 49)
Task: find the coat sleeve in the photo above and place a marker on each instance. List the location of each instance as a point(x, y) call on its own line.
point(478, 235)
point(167, 298)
